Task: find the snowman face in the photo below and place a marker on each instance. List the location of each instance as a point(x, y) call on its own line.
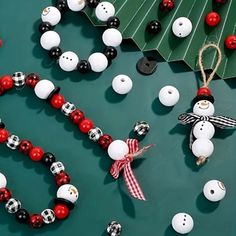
point(104, 10)
point(214, 190)
point(182, 223)
point(76, 5)
point(52, 15)
point(204, 108)
point(68, 61)
point(68, 192)
point(182, 27)
point(203, 129)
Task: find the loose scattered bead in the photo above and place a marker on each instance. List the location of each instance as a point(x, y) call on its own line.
point(67, 108)
point(169, 96)
point(57, 167)
point(57, 101)
point(36, 221)
point(214, 190)
point(25, 146)
point(4, 134)
point(61, 211)
point(230, 42)
point(19, 79)
point(62, 178)
point(85, 125)
point(114, 228)
point(154, 27)
point(182, 27)
point(36, 154)
point(122, 84)
point(31, 80)
point(13, 205)
point(167, 5)
point(48, 216)
point(5, 195)
point(212, 19)
point(50, 39)
point(104, 141)
point(182, 223)
point(6, 82)
point(95, 134)
point(13, 142)
point(141, 128)
point(77, 116)
point(22, 216)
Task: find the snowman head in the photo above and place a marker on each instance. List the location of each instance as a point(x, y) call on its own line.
point(204, 108)
point(68, 192)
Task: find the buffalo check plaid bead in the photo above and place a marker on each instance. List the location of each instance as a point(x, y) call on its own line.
point(57, 167)
point(19, 79)
point(95, 134)
point(48, 216)
point(114, 228)
point(68, 108)
point(141, 128)
point(13, 142)
point(13, 205)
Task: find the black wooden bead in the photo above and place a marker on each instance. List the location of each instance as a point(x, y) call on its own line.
point(113, 22)
point(92, 3)
point(154, 27)
point(61, 5)
point(110, 52)
point(44, 27)
point(48, 159)
point(22, 216)
point(55, 53)
point(83, 66)
point(2, 125)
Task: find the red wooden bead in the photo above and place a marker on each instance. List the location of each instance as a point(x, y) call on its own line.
point(5, 194)
point(104, 141)
point(61, 211)
point(25, 146)
point(7, 82)
point(36, 221)
point(85, 125)
point(1, 90)
point(62, 178)
point(212, 19)
point(36, 153)
point(204, 91)
point(167, 5)
point(230, 42)
point(4, 134)
point(57, 101)
point(32, 79)
point(77, 116)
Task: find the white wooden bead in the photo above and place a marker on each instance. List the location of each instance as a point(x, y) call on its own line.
point(68, 61)
point(182, 27)
point(112, 37)
point(104, 11)
point(43, 88)
point(118, 149)
point(169, 96)
point(68, 192)
point(204, 108)
point(202, 147)
point(3, 181)
point(52, 15)
point(214, 190)
point(122, 84)
point(50, 39)
point(182, 223)
point(76, 5)
point(98, 62)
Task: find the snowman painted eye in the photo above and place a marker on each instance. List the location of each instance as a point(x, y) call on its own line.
point(212, 191)
point(180, 23)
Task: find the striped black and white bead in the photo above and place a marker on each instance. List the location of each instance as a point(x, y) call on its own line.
point(19, 79)
point(68, 108)
point(48, 216)
point(13, 205)
point(114, 228)
point(57, 167)
point(141, 128)
point(13, 142)
point(95, 134)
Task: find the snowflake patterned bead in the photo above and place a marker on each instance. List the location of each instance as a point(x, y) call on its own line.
point(57, 167)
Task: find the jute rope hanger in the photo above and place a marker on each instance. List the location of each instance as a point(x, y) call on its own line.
point(206, 81)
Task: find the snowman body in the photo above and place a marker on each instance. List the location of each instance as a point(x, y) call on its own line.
point(203, 131)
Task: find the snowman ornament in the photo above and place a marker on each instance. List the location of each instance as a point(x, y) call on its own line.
point(202, 118)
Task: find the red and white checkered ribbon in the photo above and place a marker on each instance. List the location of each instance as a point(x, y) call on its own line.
point(125, 165)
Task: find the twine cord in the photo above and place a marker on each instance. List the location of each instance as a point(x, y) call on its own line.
point(206, 81)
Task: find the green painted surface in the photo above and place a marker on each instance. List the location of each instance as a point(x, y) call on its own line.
point(168, 174)
point(135, 16)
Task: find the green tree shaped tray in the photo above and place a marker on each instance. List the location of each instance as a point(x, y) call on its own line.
point(135, 14)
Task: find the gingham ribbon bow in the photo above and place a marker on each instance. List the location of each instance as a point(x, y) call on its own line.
point(125, 165)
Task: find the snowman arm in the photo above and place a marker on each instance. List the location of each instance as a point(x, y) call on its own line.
point(188, 118)
point(223, 122)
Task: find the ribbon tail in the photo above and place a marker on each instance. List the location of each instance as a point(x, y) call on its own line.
point(142, 150)
point(132, 183)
